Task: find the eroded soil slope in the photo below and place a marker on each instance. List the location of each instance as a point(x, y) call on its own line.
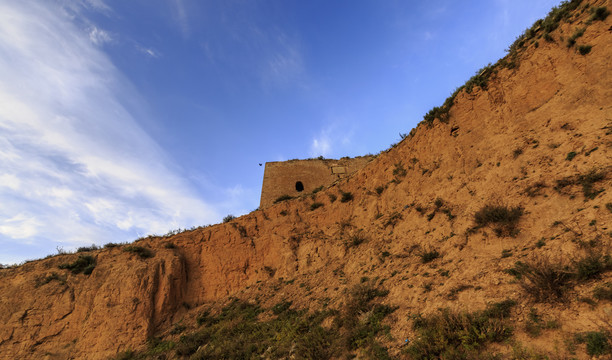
point(536, 137)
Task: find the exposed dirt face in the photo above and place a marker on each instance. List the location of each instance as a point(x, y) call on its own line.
point(121, 303)
point(506, 145)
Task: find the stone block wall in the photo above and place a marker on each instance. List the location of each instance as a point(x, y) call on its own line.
point(298, 177)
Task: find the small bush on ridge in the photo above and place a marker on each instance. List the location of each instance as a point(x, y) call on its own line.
point(399, 170)
point(143, 252)
point(599, 13)
point(83, 264)
point(572, 39)
point(587, 181)
point(283, 198)
point(452, 335)
point(597, 342)
point(346, 197)
point(506, 218)
point(51, 277)
point(315, 205)
point(584, 49)
point(88, 248)
point(592, 265)
point(603, 292)
point(543, 279)
point(355, 240)
point(429, 256)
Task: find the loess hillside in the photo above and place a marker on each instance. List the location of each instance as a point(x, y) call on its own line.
point(485, 233)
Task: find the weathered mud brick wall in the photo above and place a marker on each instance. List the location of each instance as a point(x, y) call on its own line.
point(297, 177)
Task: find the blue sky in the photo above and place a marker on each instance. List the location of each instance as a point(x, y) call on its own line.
point(120, 119)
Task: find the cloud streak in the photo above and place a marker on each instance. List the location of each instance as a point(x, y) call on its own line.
point(181, 17)
point(99, 36)
point(321, 145)
point(76, 166)
point(283, 64)
point(148, 51)
point(330, 139)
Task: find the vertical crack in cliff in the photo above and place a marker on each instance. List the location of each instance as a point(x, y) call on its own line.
point(151, 316)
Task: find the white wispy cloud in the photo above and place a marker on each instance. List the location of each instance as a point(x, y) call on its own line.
point(76, 167)
point(73, 8)
point(321, 146)
point(98, 5)
point(275, 56)
point(181, 17)
point(148, 51)
point(99, 36)
point(20, 226)
point(333, 138)
point(284, 63)
point(237, 196)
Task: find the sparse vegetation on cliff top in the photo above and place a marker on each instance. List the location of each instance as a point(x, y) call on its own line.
point(83, 264)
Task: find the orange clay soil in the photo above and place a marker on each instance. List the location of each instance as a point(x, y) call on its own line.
point(509, 146)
